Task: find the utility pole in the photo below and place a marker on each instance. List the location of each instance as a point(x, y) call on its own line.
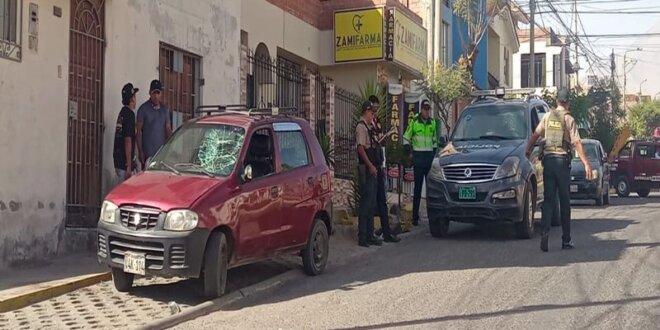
point(575, 33)
point(532, 59)
point(612, 67)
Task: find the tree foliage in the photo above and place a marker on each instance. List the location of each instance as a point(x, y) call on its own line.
point(644, 118)
point(444, 86)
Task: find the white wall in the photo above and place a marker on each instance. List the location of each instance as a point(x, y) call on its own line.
point(33, 139)
point(277, 28)
point(207, 28)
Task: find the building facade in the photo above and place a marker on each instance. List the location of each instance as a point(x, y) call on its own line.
point(62, 66)
point(502, 44)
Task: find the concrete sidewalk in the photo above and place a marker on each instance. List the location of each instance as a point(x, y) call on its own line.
point(23, 286)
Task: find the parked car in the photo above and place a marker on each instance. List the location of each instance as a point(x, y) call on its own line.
point(637, 168)
point(596, 189)
point(483, 175)
point(227, 189)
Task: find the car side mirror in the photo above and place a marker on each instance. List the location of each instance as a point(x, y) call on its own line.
point(247, 173)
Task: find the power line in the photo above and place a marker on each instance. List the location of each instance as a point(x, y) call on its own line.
point(604, 12)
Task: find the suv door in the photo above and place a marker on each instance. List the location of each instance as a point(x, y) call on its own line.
point(536, 163)
point(299, 179)
point(605, 166)
point(259, 204)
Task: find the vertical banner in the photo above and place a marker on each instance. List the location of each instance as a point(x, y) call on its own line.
point(410, 111)
point(389, 34)
point(394, 110)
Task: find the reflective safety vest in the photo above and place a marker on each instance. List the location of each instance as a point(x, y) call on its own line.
point(555, 131)
point(422, 134)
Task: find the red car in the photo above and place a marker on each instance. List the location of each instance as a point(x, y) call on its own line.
point(637, 168)
point(227, 189)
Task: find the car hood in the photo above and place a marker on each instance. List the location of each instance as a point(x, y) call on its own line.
point(577, 167)
point(162, 190)
point(480, 151)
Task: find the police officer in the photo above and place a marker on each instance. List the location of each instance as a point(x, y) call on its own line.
point(560, 133)
point(422, 133)
point(370, 157)
point(381, 194)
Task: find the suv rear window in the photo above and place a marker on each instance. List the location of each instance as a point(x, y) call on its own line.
point(506, 122)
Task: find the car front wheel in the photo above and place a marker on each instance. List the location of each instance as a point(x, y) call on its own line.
point(315, 254)
point(216, 260)
point(525, 228)
point(438, 225)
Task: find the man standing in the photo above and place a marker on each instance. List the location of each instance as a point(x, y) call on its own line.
point(560, 132)
point(153, 124)
point(381, 194)
point(423, 135)
point(124, 149)
point(369, 157)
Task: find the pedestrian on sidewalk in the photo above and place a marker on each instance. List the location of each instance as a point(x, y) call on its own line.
point(370, 157)
point(422, 134)
point(154, 126)
point(560, 133)
point(381, 193)
point(124, 148)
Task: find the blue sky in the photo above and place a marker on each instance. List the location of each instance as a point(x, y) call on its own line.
point(648, 64)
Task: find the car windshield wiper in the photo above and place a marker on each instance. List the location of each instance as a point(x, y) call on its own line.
point(196, 167)
point(495, 137)
point(170, 167)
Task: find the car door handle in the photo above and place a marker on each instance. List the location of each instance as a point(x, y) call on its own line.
point(310, 181)
point(275, 191)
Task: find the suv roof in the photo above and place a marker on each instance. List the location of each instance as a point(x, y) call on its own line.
point(243, 116)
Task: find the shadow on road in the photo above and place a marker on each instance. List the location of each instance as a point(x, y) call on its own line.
point(513, 311)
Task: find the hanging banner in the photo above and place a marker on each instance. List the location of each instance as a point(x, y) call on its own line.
point(410, 42)
point(411, 109)
point(394, 109)
point(389, 34)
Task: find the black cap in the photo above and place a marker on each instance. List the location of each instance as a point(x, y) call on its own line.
point(563, 95)
point(366, 106)
point(128, 91)
point(426, 104)
point(155, 86)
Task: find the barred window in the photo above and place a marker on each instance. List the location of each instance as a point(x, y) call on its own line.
point(9, 29)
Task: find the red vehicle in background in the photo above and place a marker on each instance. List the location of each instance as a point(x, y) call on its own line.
point(227, 189)
point(637, 167)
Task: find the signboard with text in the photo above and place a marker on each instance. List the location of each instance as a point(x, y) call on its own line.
point(358, 35)
point(395, 109)
point(410, 42)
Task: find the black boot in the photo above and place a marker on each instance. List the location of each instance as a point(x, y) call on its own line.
point(544, 242)
point(375, 241)
point(391, 238)
point(567, 246)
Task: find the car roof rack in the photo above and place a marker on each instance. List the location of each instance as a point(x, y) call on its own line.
point(500, 94)
point(240, 109)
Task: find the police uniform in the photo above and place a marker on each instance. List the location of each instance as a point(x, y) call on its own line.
point(422, 134)
point(366, 137)
point(560, 132)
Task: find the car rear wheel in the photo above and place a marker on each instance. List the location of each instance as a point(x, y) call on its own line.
point(438, 225)
point(315, 254)
point(643, 192)
point(622, 187)
point(216, 259)
point(123, 281)
point(525, 228)
point(606, 194)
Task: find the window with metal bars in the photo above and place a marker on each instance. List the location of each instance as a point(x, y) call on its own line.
point(180, 74)
point(9, 29)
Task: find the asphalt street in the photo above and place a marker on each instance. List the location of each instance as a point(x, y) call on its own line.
point(481, 277)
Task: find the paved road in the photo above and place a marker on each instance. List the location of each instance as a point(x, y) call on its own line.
point(481, 278)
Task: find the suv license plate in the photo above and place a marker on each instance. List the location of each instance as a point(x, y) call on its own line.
point(574, 188)
point(134, 263)
point(467, 193)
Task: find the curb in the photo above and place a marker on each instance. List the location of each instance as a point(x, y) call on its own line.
point(57, 289)
point(215, 305)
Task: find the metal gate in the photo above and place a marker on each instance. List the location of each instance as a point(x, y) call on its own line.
point(85, 124)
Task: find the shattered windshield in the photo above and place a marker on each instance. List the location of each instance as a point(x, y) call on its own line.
point(492, 122)
point(203, 149)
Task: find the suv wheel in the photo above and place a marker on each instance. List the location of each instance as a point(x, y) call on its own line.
point(622, 187)
point(315, 254)
point(606, 194)
point(123, 281)
point(216, 259)
point(438, 225)
point(644, 192)
point(525, 228)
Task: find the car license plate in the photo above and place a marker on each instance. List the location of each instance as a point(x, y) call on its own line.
point(469, 193)
point(574, 188)
point(134, 263)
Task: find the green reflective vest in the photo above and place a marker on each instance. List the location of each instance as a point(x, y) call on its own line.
point(422, 135)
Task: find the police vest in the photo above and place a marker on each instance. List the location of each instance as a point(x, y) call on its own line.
point(374, 152)
point(555, 131)
point(422, 135)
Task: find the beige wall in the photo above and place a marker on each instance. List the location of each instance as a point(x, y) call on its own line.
point(33, 140)
point(207, 28)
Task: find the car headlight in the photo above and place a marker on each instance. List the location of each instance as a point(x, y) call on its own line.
point(436, 172)
point(181, 220)
point(509, 168)
point(108, 212)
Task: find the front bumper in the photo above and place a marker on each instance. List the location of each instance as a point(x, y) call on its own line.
point(168, 254)
point(442, 200)
point(584, 189)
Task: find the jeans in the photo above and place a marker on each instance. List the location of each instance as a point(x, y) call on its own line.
point(381, 204)
point(557, 179)
point(367, 203)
